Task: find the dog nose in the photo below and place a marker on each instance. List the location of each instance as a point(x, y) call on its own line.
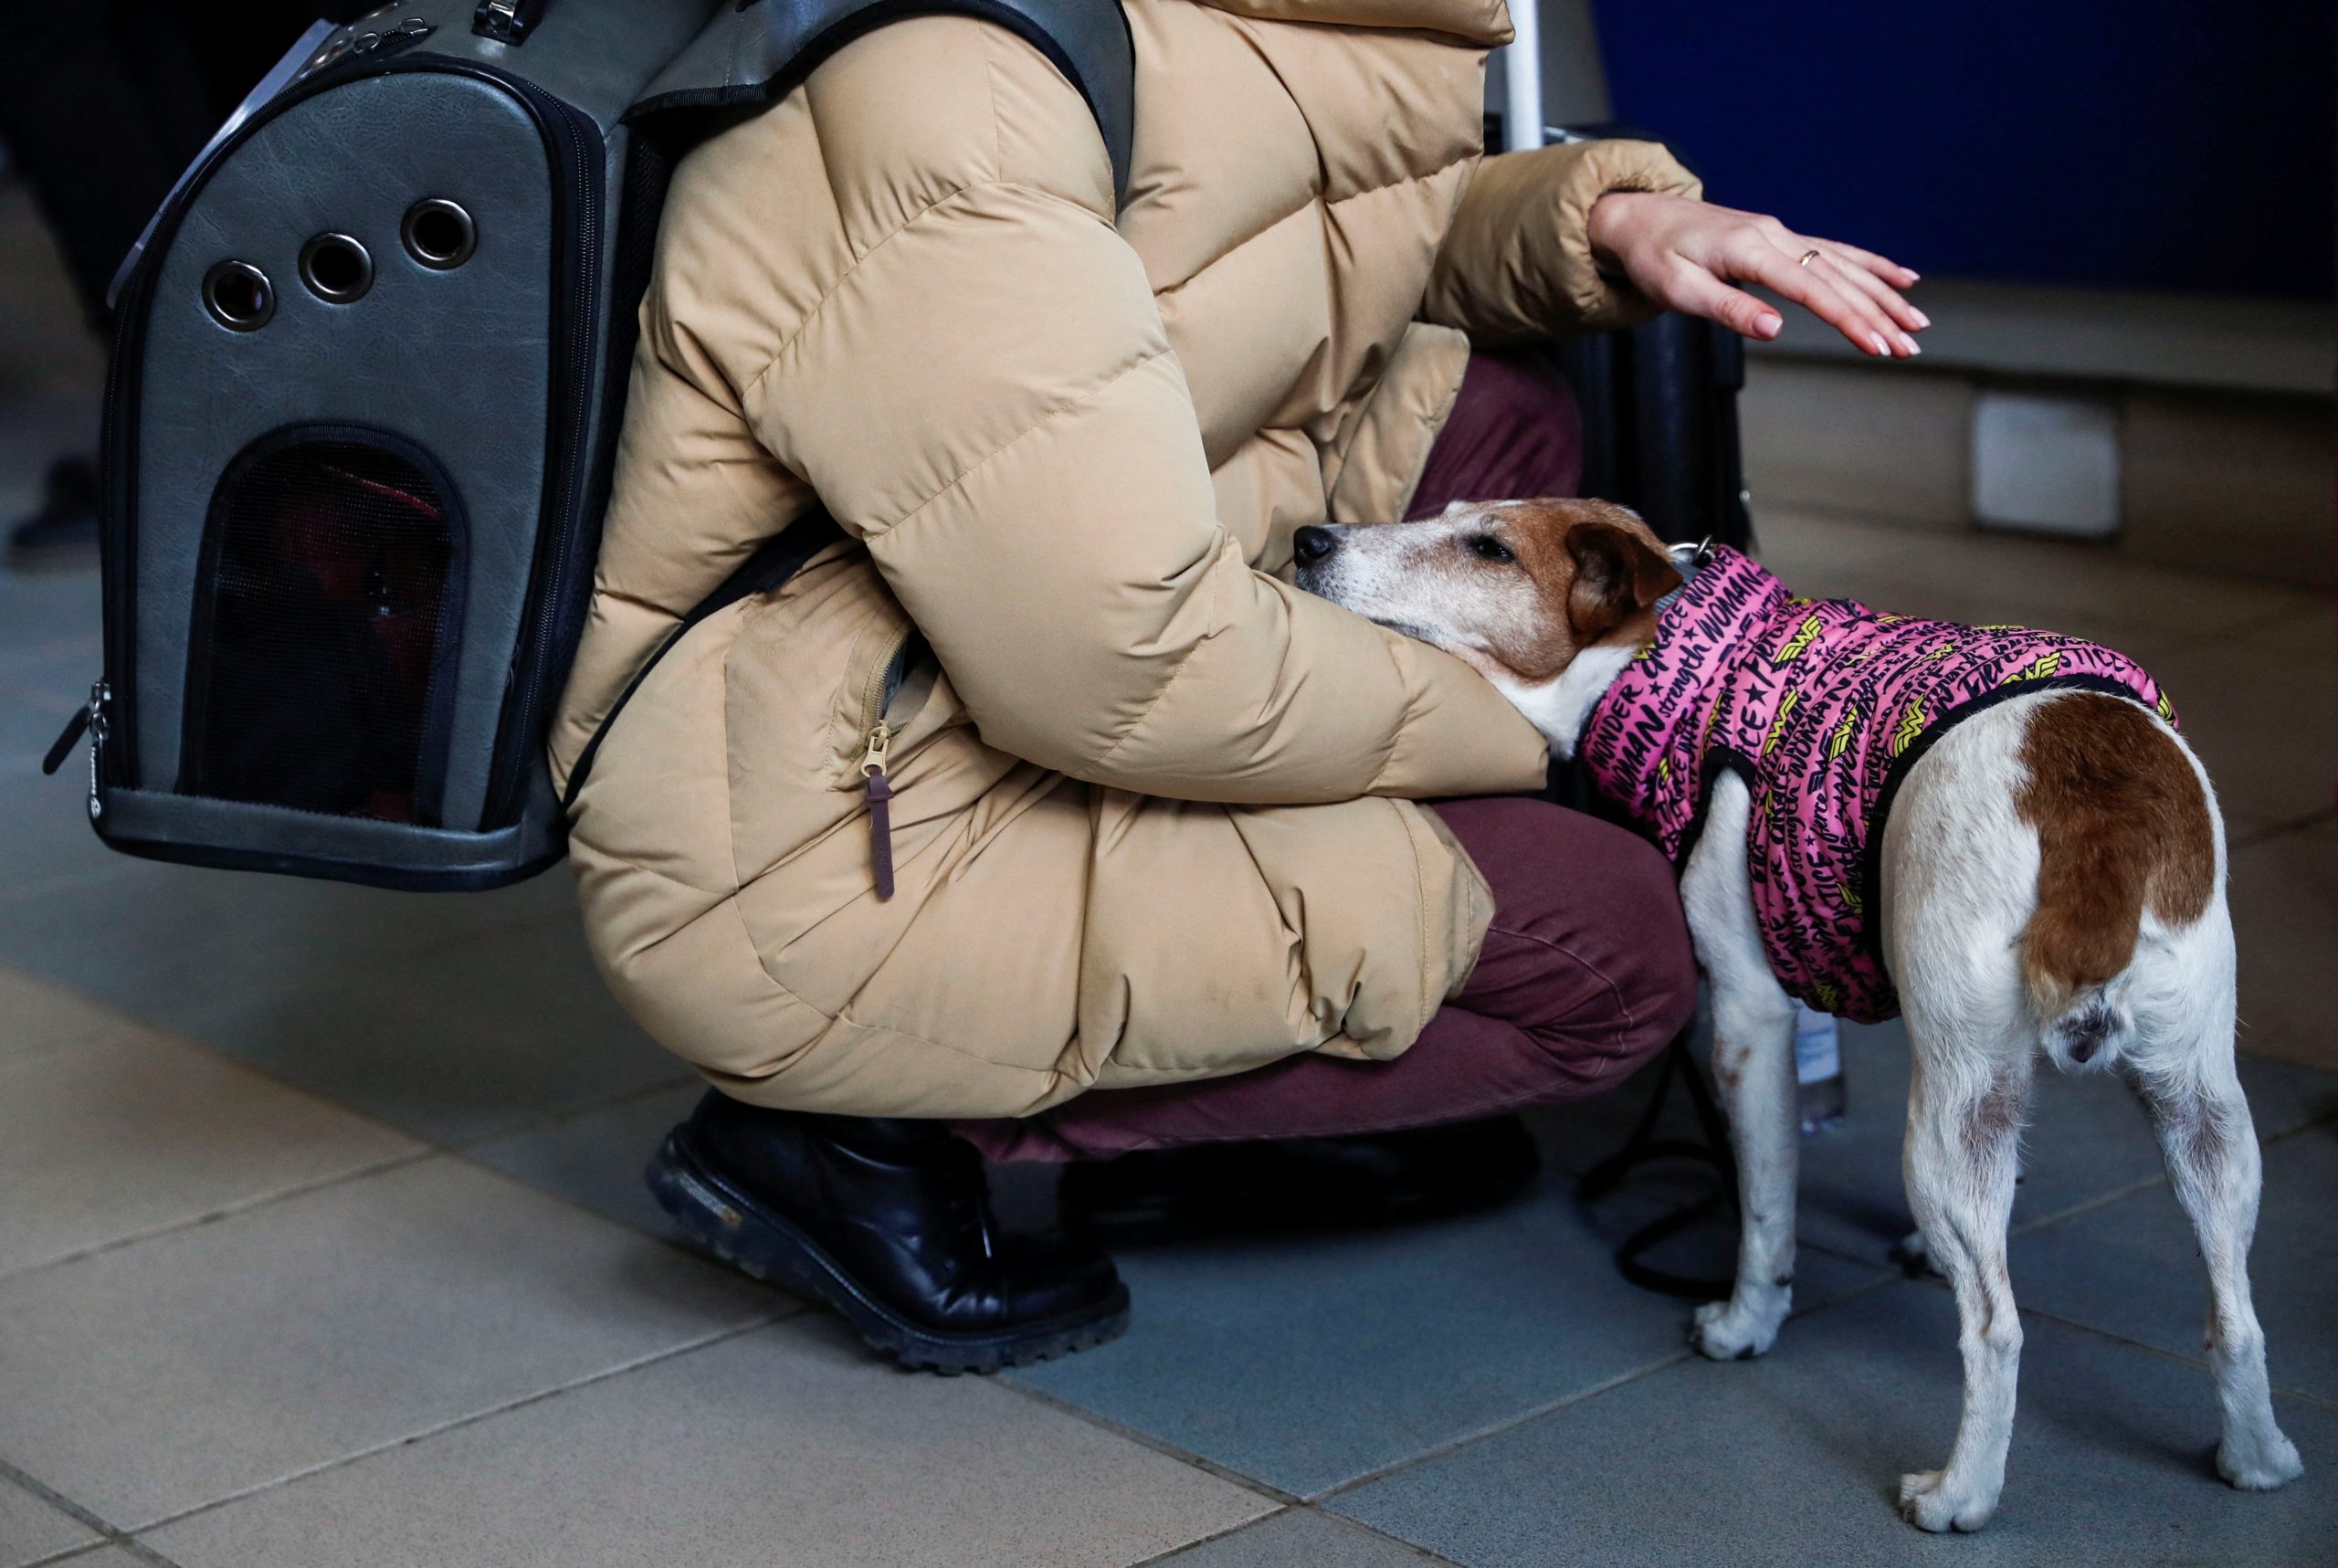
point(1313, 544)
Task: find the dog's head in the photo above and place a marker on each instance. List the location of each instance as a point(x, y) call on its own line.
point(1521, 590)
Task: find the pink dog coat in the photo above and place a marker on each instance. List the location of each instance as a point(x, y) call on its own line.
point(1823, 706)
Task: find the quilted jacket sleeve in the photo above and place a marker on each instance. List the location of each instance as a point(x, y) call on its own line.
point(1516, 264)
point(982, 392)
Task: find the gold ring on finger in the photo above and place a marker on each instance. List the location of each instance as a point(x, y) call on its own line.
point(1807, 257)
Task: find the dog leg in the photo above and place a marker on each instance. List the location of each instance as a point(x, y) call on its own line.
point(1754, 1062)
point(2210, 1144)
point(1964, 1121)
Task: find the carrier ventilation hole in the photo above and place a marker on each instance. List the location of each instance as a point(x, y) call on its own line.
point(239, 296)
point(337, 269)
point(439, 233)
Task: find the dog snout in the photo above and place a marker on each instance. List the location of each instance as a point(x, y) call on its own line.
point(1312, 544)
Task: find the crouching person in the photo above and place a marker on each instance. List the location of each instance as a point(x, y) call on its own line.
point(1035, 817)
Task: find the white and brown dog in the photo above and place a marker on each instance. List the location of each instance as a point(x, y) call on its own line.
point(1995, 831)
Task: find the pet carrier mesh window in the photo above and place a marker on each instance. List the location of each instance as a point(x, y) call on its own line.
point(328, 609)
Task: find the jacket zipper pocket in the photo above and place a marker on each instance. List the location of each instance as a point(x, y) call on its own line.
point(876, 702)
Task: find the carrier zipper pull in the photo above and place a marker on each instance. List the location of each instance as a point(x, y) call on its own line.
point(63, 748)
point(880, 811)
point(91, 718)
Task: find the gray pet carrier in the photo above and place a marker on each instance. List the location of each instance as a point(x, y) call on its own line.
point(369, 370)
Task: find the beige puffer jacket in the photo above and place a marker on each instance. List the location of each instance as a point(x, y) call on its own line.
point(1153, 815)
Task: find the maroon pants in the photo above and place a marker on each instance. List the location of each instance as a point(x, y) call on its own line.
point(1586, 973)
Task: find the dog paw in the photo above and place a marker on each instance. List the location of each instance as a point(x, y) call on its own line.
point(1726, 1330)
point(2258, 1464)
point(1927, 1502)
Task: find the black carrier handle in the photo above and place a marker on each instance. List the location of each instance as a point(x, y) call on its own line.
point(506, 21)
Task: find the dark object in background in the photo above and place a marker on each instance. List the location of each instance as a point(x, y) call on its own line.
point(2127, 143)
point(1660, 426)
point(102, 103)
point(1266, 1187)
point(62, 534)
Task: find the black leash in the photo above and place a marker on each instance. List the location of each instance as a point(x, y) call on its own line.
point(1643, 1147)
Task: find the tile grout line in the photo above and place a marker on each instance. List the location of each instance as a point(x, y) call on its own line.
point(1379, 1535)
point(2322, 1401)
point(547, 1120)
point(795, 1305)
point(1340, 1520)
point(1161, 1445)
point(2159, 1179)
point(427, 1147)
point(1166, 1553)
point(1684, 1355)
point(88, 1518)
point(229, 1211)
point(128, 1543)
point(1309, 1502)
point(470, 1418)
point(1495, 1429)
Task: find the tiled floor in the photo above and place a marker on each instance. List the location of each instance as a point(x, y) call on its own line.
point(321, 1241)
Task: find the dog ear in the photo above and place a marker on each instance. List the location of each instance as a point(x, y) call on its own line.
point(1618, 574)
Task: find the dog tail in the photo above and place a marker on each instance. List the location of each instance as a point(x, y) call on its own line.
point(2123, 826)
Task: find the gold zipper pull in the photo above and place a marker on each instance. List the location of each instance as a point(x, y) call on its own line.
point(881, 809)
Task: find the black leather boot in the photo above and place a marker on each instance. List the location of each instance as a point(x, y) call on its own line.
point(889, 1222)
point(1284, 1186)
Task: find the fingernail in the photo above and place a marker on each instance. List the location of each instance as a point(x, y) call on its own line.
point(1921, 318)
point(1912, 273)
point(1910, 344)
point(1875, 340)
point(1767, 325)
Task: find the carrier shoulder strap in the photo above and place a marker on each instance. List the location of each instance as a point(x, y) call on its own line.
point(755, 51)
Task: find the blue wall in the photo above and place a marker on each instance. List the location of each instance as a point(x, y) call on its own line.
point(2138, 143)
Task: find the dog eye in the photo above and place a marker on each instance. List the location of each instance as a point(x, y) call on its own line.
point(1486, 547)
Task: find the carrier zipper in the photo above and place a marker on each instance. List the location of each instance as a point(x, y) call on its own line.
point(877, 697)
point(508, 771)
point(100, 696)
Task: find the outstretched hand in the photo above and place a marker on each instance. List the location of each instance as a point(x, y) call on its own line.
point(1685, 254)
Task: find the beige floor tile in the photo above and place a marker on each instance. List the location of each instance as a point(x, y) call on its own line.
point(36, 1016)
point(2143, 609)
point(778, 1448)
point(2285, 913)
point(31, 1529)
point(2262, 709)
point(152, 1378)
point(120, 1137)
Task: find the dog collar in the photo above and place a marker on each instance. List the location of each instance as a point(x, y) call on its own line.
point(1688, 560)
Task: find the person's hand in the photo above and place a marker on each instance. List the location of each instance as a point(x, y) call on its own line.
point(1685, 254)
